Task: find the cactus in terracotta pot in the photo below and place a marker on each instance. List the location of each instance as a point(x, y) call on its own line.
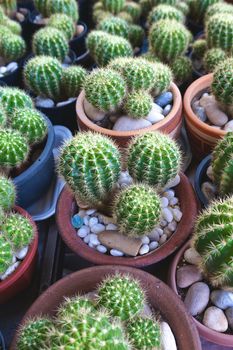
point(165, 12)
point(115, 26)
point(182, 69)
point(113, 6)
point(94, 39)
point(144, 333)
point(213, 58)
point(138, 104)
point(73, 79)
point(7, 193)
point(71, 307)
point(12, 98)
point(6, 254)
point(63, 23)
point(219, 32)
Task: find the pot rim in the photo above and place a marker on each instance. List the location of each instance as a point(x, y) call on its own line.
point(176, 109)
point(189, 207)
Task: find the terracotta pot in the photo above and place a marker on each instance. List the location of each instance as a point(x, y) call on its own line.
point(170, 125)
point(202, 136)
point(21, 278)
point(207, 333)
point(66, 208)
point(158, 294)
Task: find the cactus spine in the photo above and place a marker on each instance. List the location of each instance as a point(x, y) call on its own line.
point(115, 26)
point(144, 333)
point(72, 80)
point(213, 58)
point(63, 23)
point(113, 6)
point(136, 35)
point(219, 32)
point(13, 98)
point(7, 193)
point(74, 306)
point(13, 47)
point(162, 78)
point(199, 48)
point(138, 104)
point(9, 6)
point(133, 9)
point(50, 7)
point(6, 254)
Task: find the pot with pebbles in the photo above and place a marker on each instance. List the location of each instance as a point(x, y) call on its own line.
point(18, 244)
point(203, 275)
point(142, 317)
point(130, 217)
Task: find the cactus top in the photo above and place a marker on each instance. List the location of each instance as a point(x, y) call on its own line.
point(164, 11)
point(222, 85)
point(12, 98)
point(219, 31)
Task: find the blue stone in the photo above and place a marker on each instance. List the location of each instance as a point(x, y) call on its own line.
point(167, 110)
point(164, 99)
point(77, 221)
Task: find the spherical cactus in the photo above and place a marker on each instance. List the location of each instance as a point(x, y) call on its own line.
point(158, 150)
point(105, 89)
point(74, 306)
point(100, 15)
point(213, 241)
point(4, 31)
point(114, 25)
point(165, 12)
point(7, 193)
point(198, 8)
point(50, 41)
point(72, 80)
point(30, 123)
point(3, 118)
point(14, 26)
point(6, 254)
point(34, 334)
point(183, 7)
point(219, 7)
point(118, 64)
point(122, 296)
point(63, 23)
point(162, 79)
point(42, 7)
point(136, 35)
point(144, 333)
point(126, 16)
point(168, 39)
point(138, 104)
point(213, 58)
point(222, 164)
point(68, 7)
point(137, 210)
point(219, 32)
point(93, 157)
point(13, 149)
point(133, 9)
point(182, 69)
point(94, 39)
point(12, 98)
point(150, 56)
point(13, 47)
point(113, 6)
point(199, 48)
point(43, 76)
point(9, 6)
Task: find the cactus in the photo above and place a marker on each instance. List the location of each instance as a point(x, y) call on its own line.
point(63, 23)
point(50, 7)
point(136, 35)
point(137, 210)
point(90, 164)
point(198, 8)
point(122, 296)
point(222, 164)
point(4, 31)
point(182, 69)
point(105, 89)
point(18, 231)
point(7, 193)
point(14, 26)
point(3, 118)
point(42, 7)
point(74, 306)
point(14, 149)
point(34, 334)
point(133, 9)
point(72, 80)
point(219, 32)
point(9, 6)
point(166, 2)
point(43, 76)
point(162, 78)
point(154, 159)
point(183, 7)
point(50, 41)
point(213, 241)
point(138, 104)
point(118, 64)
point(219, 7)
point(30, 123)
point(168, 39)
point(100, 15)
point(165, 12)
point(115, 26)
point(213, 58)
point(94, 39)
point(149, 56)
point(144, 333)
point(126, 16)
point(199, 48)
point(13, 47)
point(12, 98)
point(113, 6)
point(6, 254)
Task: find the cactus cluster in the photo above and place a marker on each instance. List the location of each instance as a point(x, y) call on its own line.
point(115, 26)
point(138, 104)
point(74, 306)
point(162, 79)
point(165, 12)
point(182, 69)
point(198, 8)
point(50, 7)
point(219, 32)
point(63, 23)
point(7, 193)
point(213, 58)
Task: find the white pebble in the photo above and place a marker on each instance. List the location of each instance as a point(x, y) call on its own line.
point(125, 178)
point(229, 126)
point(164, 202)
point(91, 245)
point(14, 259)
point(144, 249)
point(177, 214)
point(83, 231)
point(153, 245)
point(168, 341)
point(154, 116)
point(82, 213)
point(167, 214)
point(169, 194)
point(173, 201)
point(145, 240)
point(101, 248)
point(163, 239)
point(87, 239)
point(172, 226)
point(11, 67)
point(158, 108)
point(111, 227)
point(94, 239)
point(93, 221)
point(86, 220)
point(3, 70)
point(115, 252)
point(20, 254)
point(174, 182)
point(63, 103)
point(97, 228)
point(155, 234)
point(209, 173)
point(10, 270)
point(90, 211)
point(163, 223)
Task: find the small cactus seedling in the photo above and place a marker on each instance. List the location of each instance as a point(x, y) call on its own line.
point(217, 8)
point(113, 6)
point(133, 9)
point(219, 32)
point(165, 12)
point(7, 193)
point(115, 26)
point(12, 47)
point(154, 159)
point(162, 78)
point(199, 48)
point(74, 306)
point(138, 104)
point(144, 333)
point(90, 164)
point(198, 8)
point(3, 118)
point(182, 69)
point(105, 89)
point(13, 98)
point(122, 296)
point(213, 241)
point(213, 58)
point(137, 210)
point(73, 80)
point(6, 254)
point(63, 23)
point(136, 35)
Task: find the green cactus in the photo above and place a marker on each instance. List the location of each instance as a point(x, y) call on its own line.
point(133, 9)
point(199, 48)
point(43, 76)
point(30, 123)
point(138, 104)
point(4, 31)
point(9, 6)
point(219, 32)
point(113, 6)
point(18, 231)
point(34, 334)
point(182, 69)
point(14, 149)
point(219, 7)
point(6, 254)
point(74, 306)
point(72, 80)
point(12, 48)
point(165, 12)
point(198, 8)
point(50, 41)
point(126, 16)
point(41, 7)
point(116, 26)
point(162, 79)
point(14, 26)
point(154, 159)
point(7, 193)
point(118, 64)
point(213, 58)
point(122, 296)
point(63, 23)
point(183, 7)
point(136, 35)
point(94, 39)
point(168, 39)
point(144, 333)
point(3, 118)
point(137, 210)
point(100, 15)
point(105, 89)
point(2, 216)
point(50, 7)
point(90, 164)
point(213, 241)
point(12, 98)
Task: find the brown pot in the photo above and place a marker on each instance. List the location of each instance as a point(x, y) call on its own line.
point(205, 332)
point(202, 136)
point(67, 207)
point(170, 125)
point(158, 294)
